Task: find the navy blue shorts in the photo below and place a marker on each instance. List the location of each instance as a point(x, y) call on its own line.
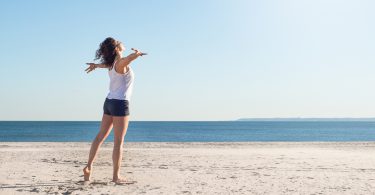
point(116, 107)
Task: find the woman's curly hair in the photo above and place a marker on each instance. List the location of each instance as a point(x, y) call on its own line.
point(107, 51)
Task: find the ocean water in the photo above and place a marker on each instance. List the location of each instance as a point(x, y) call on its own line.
point(223, 131)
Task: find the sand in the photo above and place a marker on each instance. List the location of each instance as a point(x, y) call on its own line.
point(192, 168)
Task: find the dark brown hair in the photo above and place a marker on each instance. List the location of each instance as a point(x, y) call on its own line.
point(107, 51)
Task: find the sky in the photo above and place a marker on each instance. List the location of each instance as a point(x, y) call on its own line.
point(208, 60)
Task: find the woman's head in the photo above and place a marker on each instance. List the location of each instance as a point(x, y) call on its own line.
point(108, 50)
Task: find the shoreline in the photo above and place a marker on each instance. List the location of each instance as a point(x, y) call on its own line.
point(192, 168)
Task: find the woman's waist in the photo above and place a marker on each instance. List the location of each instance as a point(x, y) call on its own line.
point(109, 99)
point(118, 96)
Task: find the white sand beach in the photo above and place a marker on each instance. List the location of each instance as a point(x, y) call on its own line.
point(192, 168)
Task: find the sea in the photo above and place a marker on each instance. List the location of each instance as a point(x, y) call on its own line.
point(193, 131)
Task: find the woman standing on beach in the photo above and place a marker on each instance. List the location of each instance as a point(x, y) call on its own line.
point(116, 105)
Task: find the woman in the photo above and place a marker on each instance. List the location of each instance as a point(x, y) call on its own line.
point(116, 105)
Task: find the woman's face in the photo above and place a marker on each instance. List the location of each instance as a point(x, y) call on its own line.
point(120, 46)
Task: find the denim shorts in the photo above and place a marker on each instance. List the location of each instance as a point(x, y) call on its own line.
point(116, 107)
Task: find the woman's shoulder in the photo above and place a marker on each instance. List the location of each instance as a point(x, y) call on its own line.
point(123, 61)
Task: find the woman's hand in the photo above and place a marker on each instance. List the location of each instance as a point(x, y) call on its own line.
point(91, 67)
point(138, 53)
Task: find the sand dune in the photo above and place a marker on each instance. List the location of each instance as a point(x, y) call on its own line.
point(192, 168)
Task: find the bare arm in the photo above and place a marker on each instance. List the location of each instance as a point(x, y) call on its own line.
point(101, 65)
point(124, 62)
point(93, 66)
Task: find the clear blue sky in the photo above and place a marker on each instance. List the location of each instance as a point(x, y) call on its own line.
point(208, 60)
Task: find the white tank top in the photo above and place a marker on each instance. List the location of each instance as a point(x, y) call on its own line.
point(120, 85)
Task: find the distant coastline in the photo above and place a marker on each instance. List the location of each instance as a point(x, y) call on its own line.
point(306, 119)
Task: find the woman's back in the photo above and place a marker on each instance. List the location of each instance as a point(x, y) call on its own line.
point(120, 85)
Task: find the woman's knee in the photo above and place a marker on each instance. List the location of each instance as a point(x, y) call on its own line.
point(118, 141)
point(100, 138)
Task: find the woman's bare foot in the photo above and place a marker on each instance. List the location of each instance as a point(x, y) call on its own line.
point(122, 181)
point(86, 173)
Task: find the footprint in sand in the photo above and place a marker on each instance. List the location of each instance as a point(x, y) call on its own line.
point(255, 173)
point(35, 190)
point(163, 167)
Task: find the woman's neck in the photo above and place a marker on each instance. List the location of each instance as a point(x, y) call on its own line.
point(118, 56)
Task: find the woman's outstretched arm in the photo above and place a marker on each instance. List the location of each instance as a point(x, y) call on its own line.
point(93, 66)
point(124, 62)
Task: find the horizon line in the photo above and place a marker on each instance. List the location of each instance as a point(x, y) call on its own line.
point(229, 120)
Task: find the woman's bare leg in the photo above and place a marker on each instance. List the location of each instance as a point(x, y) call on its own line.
point(120, 126)
point(105, 129)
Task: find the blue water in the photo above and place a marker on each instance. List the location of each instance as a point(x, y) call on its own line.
point(225, 131)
